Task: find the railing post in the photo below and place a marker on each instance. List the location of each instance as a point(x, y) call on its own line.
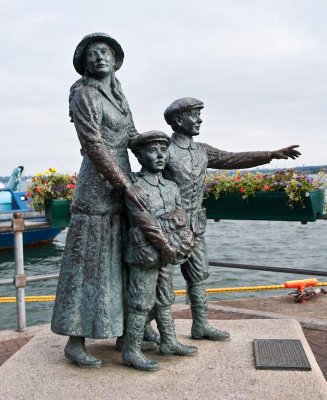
point(20, 277)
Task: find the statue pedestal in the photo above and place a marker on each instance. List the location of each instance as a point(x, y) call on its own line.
point(220, 371)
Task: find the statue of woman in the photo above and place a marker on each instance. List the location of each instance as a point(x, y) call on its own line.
point(89, 299)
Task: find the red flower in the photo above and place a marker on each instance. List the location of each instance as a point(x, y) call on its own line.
point(28, 194)
point(242, 190)
point(70, 186)
point(266, 188)
point(237, 178)
point(38, 190)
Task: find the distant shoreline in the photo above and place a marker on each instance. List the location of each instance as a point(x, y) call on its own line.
point(310, 169)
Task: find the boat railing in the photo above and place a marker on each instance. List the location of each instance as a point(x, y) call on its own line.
point(20, 279)
point(28, 214)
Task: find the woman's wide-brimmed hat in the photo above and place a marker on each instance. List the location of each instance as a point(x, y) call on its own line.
point(78, 59)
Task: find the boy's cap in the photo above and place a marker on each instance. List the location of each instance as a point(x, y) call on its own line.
point(78, 59)
point(148, 137)
point(181, 105)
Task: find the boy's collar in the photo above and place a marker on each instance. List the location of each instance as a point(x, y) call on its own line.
point(152, 179)
point(183, 141)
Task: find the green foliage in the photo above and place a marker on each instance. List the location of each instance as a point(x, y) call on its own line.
point(294, 183)
point(48, 186)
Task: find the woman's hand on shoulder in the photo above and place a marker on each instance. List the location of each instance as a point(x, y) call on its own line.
point(136, 194)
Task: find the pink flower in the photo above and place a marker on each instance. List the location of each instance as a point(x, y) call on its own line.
point(266, 188)
point(242, 190)
point(38, 190)
point(70, 186)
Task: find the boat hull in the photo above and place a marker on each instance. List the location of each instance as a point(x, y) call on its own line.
point(11, 202)
point(31, 237)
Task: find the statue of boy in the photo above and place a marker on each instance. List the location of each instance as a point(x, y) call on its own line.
point(187, 165)
point(158, 236)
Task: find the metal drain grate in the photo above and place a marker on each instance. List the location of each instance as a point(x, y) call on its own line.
point(280, 354)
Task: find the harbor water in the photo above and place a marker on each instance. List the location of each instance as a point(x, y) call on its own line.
point(269, 243)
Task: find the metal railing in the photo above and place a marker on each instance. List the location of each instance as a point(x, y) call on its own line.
point(20, 280)
point(284, 270)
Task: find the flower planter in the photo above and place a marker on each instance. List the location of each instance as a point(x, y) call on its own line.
point(58, 213)
point(272, 206)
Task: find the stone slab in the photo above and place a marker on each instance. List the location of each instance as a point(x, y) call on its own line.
point(221, 370)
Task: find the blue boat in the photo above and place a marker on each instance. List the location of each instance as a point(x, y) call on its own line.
point(16, 201)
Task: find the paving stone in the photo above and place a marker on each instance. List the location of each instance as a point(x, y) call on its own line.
point(22, 341)
point(11, 345)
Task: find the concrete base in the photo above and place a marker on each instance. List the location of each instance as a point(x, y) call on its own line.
point(221, 370)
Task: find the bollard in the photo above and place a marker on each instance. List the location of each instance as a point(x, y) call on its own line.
point(20, 277)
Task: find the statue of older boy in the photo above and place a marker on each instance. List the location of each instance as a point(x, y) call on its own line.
point(187, 165)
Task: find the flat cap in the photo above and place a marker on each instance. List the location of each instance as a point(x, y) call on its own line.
point(148, 137)
point(181, 105)
point(78, 59)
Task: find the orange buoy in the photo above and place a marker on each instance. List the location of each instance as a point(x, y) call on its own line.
point(301, 283)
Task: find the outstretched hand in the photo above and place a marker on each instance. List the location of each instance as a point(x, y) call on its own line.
point(137, 195)
point(287, 152)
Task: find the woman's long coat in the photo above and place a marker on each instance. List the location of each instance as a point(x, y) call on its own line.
point(89, 299)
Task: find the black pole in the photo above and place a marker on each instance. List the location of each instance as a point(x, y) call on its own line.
point(269, 269)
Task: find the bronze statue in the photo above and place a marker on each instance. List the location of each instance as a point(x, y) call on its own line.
point(89, 299)
point(158, 237)
point(90, 291)
point(187, 165)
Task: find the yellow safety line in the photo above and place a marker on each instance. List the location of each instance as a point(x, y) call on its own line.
point(243, 289)
point(28, 299)
point(32, 299)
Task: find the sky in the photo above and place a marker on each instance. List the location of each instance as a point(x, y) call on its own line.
point(259, 66)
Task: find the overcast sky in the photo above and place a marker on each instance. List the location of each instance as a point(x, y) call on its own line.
point(259, 66)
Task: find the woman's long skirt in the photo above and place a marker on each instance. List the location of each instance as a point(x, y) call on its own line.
point(89, 300)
